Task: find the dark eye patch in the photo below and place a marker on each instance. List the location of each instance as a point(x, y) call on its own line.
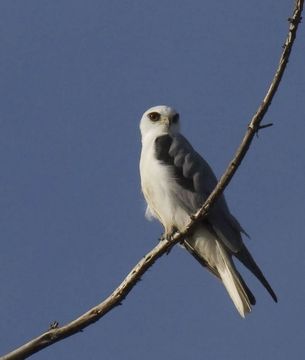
point(154, 116)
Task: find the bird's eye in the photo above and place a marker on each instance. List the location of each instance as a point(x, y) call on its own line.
point(154, 116)
point(175, 118)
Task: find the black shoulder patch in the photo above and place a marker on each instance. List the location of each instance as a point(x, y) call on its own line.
point(162, 146)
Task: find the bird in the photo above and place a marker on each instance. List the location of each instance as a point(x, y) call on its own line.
point(175, 182)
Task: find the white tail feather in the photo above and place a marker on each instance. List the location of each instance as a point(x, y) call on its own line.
point(204, 244)
point(232, 282)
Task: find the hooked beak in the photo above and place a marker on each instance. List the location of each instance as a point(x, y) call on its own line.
point(168, 120)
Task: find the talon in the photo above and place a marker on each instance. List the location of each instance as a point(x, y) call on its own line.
point(168, 237)
point(162, 237)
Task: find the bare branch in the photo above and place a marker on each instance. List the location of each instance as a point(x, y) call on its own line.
point(56, 333)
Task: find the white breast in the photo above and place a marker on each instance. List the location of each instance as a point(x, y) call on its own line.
point(157, 186)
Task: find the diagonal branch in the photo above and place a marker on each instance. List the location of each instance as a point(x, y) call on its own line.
point(56, 333)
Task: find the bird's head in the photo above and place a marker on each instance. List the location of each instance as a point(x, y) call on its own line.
point(160, 120)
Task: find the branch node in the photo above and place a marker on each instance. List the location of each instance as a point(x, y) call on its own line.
point(294, 20)
point(251, 126)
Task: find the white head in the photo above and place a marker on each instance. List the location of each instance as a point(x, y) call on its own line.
point(160, 120)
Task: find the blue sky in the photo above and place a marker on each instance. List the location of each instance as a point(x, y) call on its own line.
point(76, 77)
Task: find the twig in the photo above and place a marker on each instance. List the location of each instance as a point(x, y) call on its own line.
point(55, 333)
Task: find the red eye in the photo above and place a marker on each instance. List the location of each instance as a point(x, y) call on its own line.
point(154, 116)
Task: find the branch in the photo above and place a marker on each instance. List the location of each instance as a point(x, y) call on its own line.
point(55, 333)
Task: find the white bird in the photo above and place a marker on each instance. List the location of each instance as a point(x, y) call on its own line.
point(175, 182)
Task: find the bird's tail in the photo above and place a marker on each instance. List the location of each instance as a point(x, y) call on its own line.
point(233, 282)
point(210, 253)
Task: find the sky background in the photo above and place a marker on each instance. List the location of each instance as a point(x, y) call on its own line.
point(75, 78)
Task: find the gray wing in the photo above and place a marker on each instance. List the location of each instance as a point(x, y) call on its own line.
point(197, 180)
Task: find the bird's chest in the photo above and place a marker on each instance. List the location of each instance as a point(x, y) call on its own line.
point(158, 186)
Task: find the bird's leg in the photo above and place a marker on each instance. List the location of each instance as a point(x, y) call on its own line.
point(168, 235)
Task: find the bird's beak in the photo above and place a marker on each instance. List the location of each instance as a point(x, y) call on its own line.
point(168, 121)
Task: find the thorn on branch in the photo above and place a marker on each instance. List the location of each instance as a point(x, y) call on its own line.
point(292, 21)
point(168, 251)
point(264, 126)
point(54, 325)
point(260, 127)
point(295, 21)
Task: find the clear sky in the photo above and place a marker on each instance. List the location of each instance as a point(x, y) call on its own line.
point(76, 77)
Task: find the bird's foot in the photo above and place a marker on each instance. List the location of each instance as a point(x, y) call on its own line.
point(166, 237)
point(169, 237)
point(163, 237)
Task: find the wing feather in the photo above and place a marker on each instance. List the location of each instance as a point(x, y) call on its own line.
point(197, 179)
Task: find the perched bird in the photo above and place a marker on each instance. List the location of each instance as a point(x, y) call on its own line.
point(175, 182)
